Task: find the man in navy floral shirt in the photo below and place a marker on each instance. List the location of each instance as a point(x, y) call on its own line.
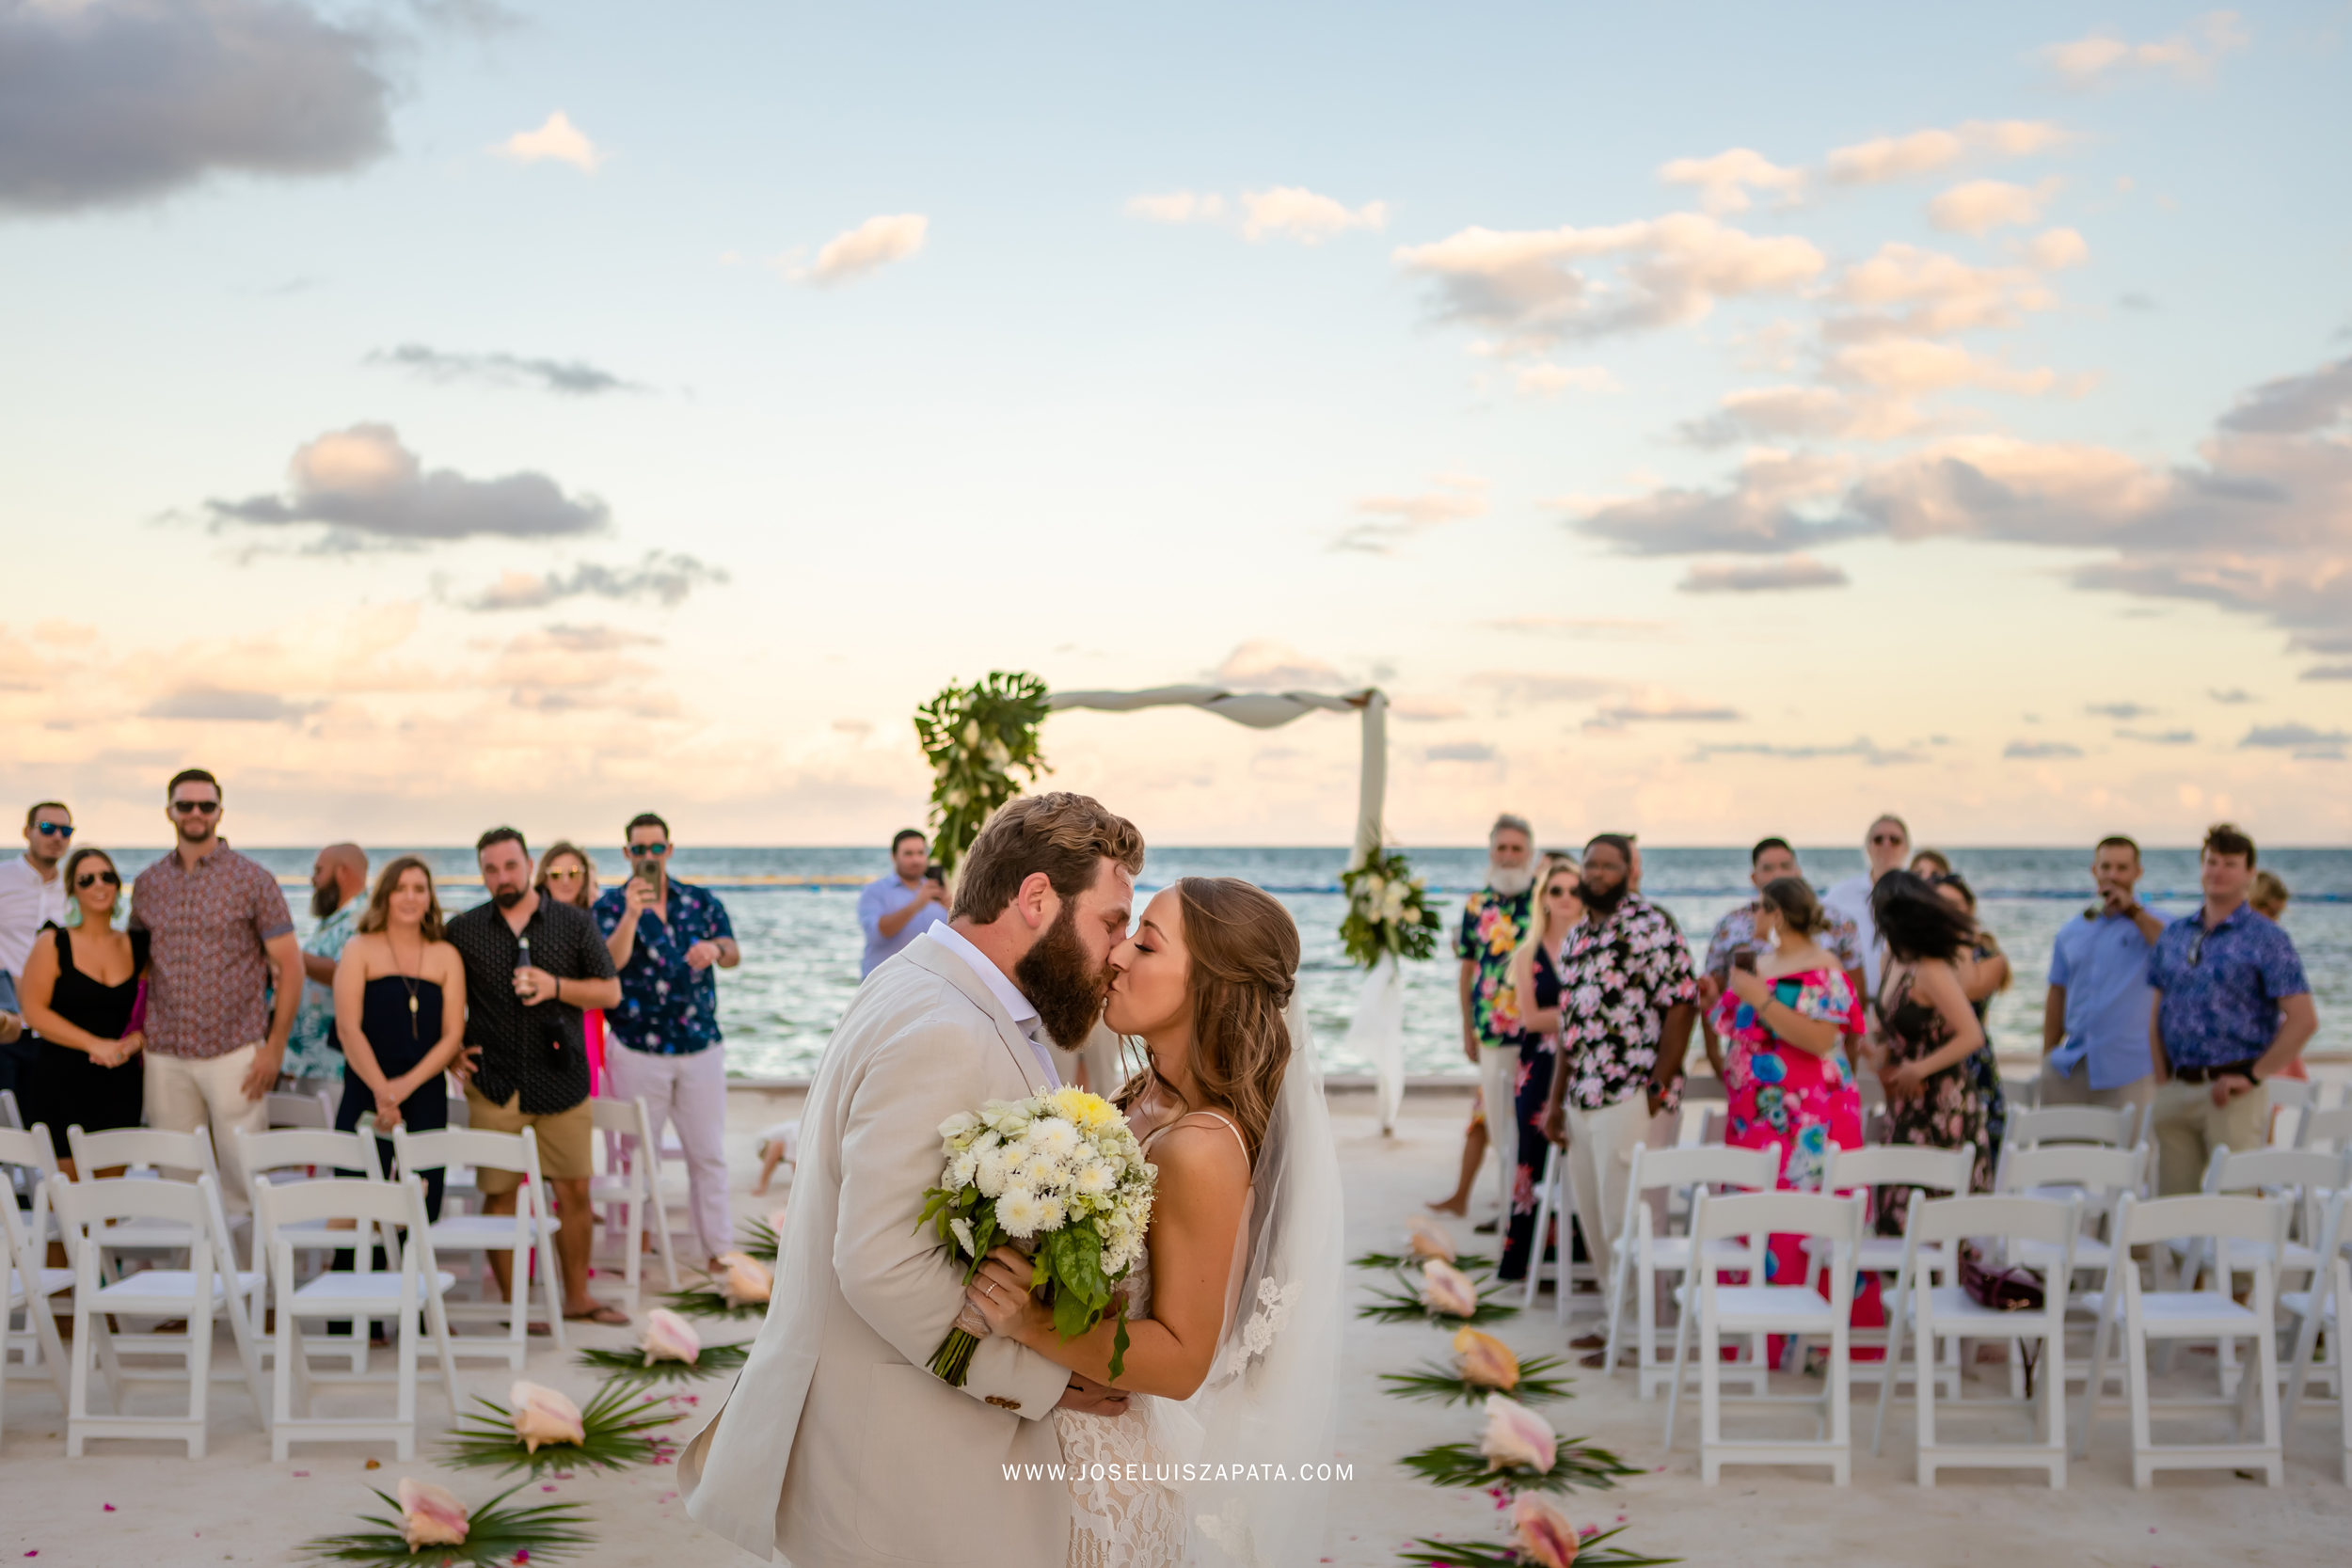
point(1628, 999)
point(668, 938)
point(2232, 1011)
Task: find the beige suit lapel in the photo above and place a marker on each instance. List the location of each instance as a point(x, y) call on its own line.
point(926, 954)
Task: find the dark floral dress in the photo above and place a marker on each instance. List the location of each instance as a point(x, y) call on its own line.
point(1984, 1069)
point(1950, 1110)
point(1537, 1058)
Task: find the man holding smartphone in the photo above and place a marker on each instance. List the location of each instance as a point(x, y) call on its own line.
point(669, 939)
point(893, 910)
point(2095, 1018)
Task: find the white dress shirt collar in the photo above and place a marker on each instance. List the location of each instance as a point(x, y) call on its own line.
point(1017, 1007)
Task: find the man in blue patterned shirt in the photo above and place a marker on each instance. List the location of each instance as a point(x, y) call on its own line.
point(2231, 1011)
point(668, 938)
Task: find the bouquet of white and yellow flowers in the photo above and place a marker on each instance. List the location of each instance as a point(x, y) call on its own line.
point(1061, 1177)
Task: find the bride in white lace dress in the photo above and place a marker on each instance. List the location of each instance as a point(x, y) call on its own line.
point(1229, 1109)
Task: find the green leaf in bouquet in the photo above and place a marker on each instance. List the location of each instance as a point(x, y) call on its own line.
point(629, 1367)
point(1119, 1342)
point(1427, 1553)
point(495, 1537)
point(617, 1427)
point(1535, 1386)
point(1463, 1464)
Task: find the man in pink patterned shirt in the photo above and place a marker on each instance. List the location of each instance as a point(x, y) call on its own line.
point(221, 939)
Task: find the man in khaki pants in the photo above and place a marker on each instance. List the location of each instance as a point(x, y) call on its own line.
point(220, 937)
point(2232, 1011)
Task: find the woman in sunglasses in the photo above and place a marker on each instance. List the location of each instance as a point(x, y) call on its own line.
point(567, 876)
point(83, 986)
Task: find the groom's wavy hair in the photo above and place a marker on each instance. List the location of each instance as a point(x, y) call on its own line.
point(1241, 949)
point(1063, 835)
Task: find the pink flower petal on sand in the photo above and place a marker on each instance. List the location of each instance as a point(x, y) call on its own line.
point(108, 1507)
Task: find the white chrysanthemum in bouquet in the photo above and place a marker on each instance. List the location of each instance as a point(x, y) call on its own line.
point(1061, 1176)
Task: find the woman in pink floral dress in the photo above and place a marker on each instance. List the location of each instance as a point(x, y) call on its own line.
point(1784, 1024)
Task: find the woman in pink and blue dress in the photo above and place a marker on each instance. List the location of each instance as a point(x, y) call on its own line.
point(1784, 1025)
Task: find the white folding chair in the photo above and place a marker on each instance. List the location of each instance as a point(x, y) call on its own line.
point(23, 1254)
point(210, 1284)
point(176, 1156)
point(285, 1109)
point(414, 1284)
point(2112, 1127)
point(2326, 1127)
point(290, 1156)
point(11, 1116)
point(1936, 1312)
point(2097, 1179)
point(527, 1230)
point(2174, 1315)
point(1640, 1255)
point(2302, 1181)
point(1945, 1171)
point(1757, 1309)
point(2321, 1310)
point(631, 1188)
point(1555, 1201)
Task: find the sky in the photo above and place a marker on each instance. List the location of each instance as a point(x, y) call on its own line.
point(1701, 420)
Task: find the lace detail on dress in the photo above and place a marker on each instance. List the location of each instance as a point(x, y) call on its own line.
point(1270, 1317)
point(1121, 1515)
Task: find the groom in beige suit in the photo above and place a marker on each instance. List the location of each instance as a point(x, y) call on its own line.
point(837, 1446)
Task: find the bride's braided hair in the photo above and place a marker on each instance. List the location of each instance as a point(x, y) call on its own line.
point(1241, 950)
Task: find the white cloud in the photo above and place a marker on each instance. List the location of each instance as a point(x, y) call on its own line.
point(1885, 158)
point(1535, 688)
point(1672, 271)
point(1461, 750)
point(1782, 412)
point(1909, 290)
point(1547, 380)
point(2054, 249)
point(667, 578)
point(2041, 750)
point(1304, 216)
point(2188, 56)
point(558, 140)
point(1391, 520)
point(1265, 663)
point(1762, 577)
point(1779, 502)
point(1725, 180)
point(368, 489)
point(866, 249)
point(1425, 710)
point(1912, 365)
point(1177, 207)
point(1980, 206)
point(1661, 707)
point(1286, 212)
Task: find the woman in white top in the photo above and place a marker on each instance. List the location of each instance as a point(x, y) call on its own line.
point(1205, 982)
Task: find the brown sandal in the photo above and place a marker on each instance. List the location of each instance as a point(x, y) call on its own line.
point(600, 1313)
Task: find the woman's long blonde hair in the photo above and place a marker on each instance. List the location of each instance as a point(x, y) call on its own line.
point(1523, 956)
point(553, 853)
point(1242, 954)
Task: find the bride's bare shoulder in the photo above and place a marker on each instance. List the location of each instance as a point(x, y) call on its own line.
point(1201, 1146)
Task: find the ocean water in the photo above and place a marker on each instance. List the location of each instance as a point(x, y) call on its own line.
point(795, 912)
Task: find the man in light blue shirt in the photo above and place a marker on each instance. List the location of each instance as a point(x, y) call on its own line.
point(2095, 1025)
point(894, 909)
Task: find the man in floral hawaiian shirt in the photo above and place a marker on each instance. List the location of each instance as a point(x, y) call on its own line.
point(668, 938)
point(1493, 920)
point(1628, 999)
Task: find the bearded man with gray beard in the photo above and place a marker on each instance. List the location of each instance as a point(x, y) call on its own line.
point(1493, 920)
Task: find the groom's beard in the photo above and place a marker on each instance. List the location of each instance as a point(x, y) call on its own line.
point(1063, 982)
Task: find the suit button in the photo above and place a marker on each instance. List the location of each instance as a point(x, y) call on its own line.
point(1003, 1403)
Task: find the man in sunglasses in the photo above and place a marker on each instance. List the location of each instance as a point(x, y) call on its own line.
point(224, 978)
point(669, 939)
point(32, 895)
point(2232, 1011)
point(1888, 846)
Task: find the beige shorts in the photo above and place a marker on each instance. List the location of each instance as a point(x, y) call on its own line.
point(567, 1139)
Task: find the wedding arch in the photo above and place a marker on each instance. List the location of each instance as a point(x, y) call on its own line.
point(976, 736)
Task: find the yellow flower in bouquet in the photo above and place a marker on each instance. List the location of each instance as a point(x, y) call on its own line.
point(1059, 1175)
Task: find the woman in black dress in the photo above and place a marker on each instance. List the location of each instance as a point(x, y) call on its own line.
point(81, 985)
point(1536, 979)
point(400, 1012)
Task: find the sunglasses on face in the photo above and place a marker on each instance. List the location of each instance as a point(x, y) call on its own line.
point(205, 807)
point(53, 830)
point(639, 851)
point(1887, 838)
point(92, 878)
point(569, 873)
